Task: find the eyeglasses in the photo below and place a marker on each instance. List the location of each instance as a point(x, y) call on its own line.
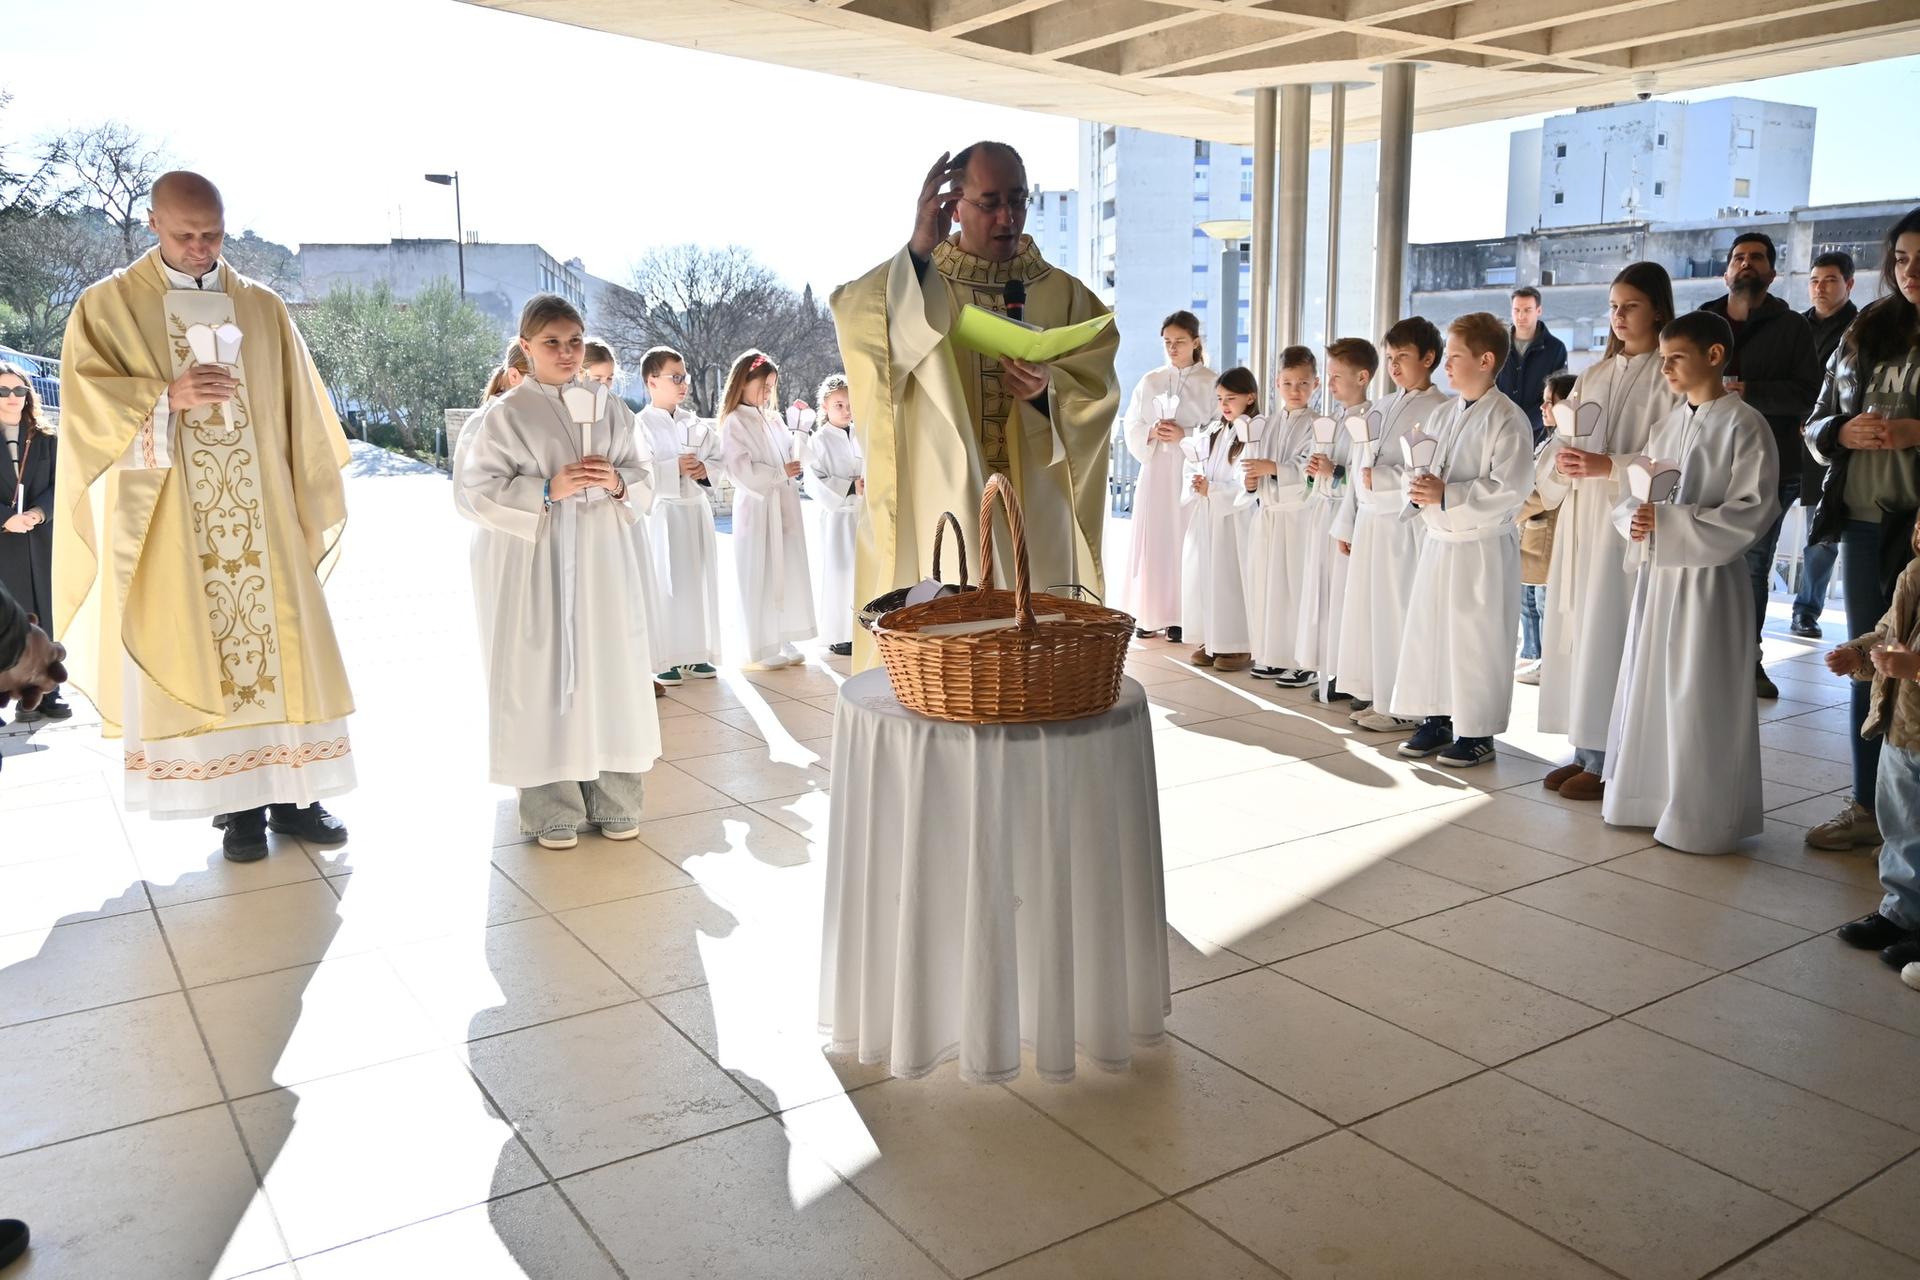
point(679, 379)
point(1017, 203)
point(22, 392)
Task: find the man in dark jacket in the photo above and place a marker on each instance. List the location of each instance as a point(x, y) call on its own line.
point(1830, 285)
point(1775, 369)
point(1533, 356)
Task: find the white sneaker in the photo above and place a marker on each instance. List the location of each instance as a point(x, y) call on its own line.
point(1911, 974)
point(561, 839)
point(1381, 722)
point(620, 833)
point(1528, 674)
point(794, 657)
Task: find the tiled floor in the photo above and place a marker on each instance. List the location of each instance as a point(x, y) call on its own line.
point(1427, 1024)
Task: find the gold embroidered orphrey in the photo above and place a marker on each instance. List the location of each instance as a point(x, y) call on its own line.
point(215, 456)
point(986, 281)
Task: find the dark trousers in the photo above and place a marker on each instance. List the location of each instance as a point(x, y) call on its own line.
point(1866, 604)
point(1760, 562)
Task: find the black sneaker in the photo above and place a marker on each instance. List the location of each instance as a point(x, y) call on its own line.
point(1763, 686)
point(842, 650)
point(1806, 628)
point(1173, 635)
point(1289, 678)
point(1434, 733)
point(311, 824)
point(1267, 673)
point(1467, 752)
point(246, 835)
point(13, 1241)
point(54, 707)
point(1330, 694)
point(1872, 933)
point(1901, 954)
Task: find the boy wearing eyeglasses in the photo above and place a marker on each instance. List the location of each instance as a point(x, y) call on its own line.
point(686, 567)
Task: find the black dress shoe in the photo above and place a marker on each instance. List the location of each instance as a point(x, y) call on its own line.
point(246, 835)
point(1173, 635)
point(55, 708)
point(312, 824)
point(13, 1240)
point(842, 650)
point(1901, 954)
point(1872, 933)
point(1806, 628)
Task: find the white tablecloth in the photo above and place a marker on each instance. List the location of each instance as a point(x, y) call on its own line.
point(989, 886)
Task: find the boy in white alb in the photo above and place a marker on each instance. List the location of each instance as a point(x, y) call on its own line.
point(686, 564)
point(1351, 364)
point(1383, 550)
point(1212, 577)
point(1456, 654)
point(1276, 480)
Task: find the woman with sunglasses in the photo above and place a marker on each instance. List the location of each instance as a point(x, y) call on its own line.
point(26, 536)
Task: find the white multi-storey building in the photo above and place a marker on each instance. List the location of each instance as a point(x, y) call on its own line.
point(1144, 197)
point(1054, 224)
point(1660, 162)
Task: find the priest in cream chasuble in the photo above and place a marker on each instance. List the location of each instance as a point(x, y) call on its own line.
point(202, 501)
point(935, 420)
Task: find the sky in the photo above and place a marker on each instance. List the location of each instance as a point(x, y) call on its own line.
point(319, 131)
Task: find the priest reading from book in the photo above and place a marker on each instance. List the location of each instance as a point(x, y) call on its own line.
point(936, 418)
point(200, 504)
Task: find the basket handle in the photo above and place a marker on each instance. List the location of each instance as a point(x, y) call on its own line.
point(959, 544)
point(1016, 524)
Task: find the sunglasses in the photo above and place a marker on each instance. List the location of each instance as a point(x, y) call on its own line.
point(22, 392)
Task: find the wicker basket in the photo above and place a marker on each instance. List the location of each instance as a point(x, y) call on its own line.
point(1057, 670)
point(897, 598)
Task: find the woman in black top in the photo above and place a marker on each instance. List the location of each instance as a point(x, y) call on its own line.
point(26, 509)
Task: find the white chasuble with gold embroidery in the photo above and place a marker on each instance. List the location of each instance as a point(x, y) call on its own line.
point(204, 637)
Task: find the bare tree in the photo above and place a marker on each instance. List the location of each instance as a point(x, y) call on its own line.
point(45, 261)
point(111, 167)
point(25, 189)
point(710, 305)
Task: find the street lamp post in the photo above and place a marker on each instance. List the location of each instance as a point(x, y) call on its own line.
point(459, 226)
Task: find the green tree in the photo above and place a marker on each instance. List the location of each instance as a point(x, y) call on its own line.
point(401, 366)
point(46, 259)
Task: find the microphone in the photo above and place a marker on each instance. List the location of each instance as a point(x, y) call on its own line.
point(1016, 296)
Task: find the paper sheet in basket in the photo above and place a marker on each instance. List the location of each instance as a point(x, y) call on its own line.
point(992, 334)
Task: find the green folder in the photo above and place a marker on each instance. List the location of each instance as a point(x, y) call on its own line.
point(992, 334)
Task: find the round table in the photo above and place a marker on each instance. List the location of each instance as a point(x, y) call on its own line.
point(990, 886)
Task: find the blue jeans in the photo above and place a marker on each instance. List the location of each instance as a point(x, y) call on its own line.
point(1760, 557)
point(1593, 761)
point(1533, 605)
point(1899, 814)
point(1860, 579)
point(1816, 573)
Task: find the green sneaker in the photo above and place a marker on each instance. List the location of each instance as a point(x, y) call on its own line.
point(670, 676)
point(699, 671)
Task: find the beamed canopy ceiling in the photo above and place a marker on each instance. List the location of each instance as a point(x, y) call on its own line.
point(1187, 66)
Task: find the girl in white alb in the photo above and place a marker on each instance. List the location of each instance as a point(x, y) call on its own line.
point(1213, 600)
point(1589, 587)
point(769, 536)
point(1171, 401)
point(836, 481)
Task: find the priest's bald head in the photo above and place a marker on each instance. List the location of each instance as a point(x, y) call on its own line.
point(190, 221)
point(992, 212)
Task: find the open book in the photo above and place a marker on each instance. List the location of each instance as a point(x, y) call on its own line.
point(992, 334)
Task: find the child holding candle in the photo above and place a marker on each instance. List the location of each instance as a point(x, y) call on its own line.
point(769, 537)
point(1276, 480)
point(551, 475)
point(1213, 595)
point(686, 562)
point(1683, 750)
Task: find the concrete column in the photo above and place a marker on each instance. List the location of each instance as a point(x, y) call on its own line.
point(1395, 193)
point(1260, 286)
point(1336, 146)
point(1296, 107)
